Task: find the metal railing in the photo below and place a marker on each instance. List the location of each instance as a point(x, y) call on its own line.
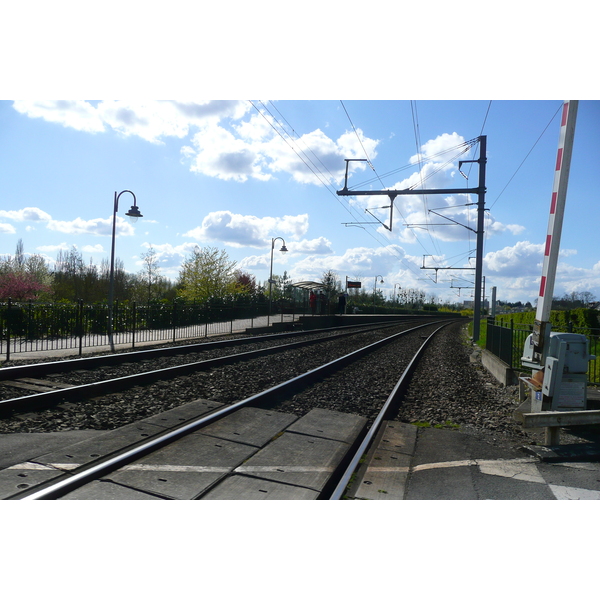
point(507, 342)
point(34, 327)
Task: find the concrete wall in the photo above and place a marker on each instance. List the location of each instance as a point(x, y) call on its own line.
point(498, 368)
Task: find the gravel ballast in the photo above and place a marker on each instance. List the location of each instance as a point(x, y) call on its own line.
point(447, 390)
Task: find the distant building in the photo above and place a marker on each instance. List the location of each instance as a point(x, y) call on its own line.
point(470, 304)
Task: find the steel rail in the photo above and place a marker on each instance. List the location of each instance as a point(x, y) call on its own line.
point(383, 415)
point(93, 362)
point(87, 474)
point(80, 392)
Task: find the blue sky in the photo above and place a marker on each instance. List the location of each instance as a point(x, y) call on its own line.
point(233, 173)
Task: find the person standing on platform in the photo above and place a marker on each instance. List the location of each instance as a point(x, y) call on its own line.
point(321, 303)
point(312, 300)
point(342, 303)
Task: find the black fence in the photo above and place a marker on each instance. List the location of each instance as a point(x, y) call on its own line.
point(507, 342)
point(32, 326)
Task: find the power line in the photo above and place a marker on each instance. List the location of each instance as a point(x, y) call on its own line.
point(361, 144)
point(318, 175)
point(415, 118)
point(530, 151)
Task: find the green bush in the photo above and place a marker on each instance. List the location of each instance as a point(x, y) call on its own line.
point(584, 320)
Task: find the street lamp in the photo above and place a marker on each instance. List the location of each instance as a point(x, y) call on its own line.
point(282, 249)
point(134, 214)
point(375, 289)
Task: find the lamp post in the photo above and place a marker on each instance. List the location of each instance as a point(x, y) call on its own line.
point(375, 289)
point(134, 214)
point(282, 249)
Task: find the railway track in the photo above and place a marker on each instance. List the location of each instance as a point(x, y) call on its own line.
point(75, 380)
point(264, 446)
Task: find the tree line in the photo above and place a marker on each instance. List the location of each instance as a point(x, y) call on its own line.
point(206, 273)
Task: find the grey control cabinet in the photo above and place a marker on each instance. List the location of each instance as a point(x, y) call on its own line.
point(566, 361)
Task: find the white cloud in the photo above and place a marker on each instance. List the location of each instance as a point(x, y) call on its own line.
point(76, 226)
point(446, 218)
point(516, 271)
point(247, 230)
point(154, 120)
point(221, 143)
point(522, 259)
point(149, 120)
point(218, 153)
point(367, 262)
point(53, 247)
point(26, 214)
point(93, 226)
point(319, 245)
point(69, 113)
point(253, 149)
point(95, 249)
point(515, 229)
point(169, 257)
point(438, 149)
point(315, 152)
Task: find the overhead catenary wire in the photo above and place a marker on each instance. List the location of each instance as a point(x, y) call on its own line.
point(527, 155)
point(460, 149)
point(377, 176)
point(415, 118)
point(361, 144)
point(559, 108)
point(320, 177)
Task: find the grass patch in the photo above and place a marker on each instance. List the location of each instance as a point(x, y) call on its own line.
point(482, 332)
point(444, 425)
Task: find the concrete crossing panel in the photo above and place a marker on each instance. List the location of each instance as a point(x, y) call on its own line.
point(100, 446)
point(297, 459)
point(167, 480)
point(19, 478)
point(190, 465)
point(252, 426)
point(398, 437)
point(238, 487)
point(103, 490)
point(181, 414)
point(329, 424)
point(385, 476)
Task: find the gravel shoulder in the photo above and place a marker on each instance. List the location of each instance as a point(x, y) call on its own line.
point(452, 388)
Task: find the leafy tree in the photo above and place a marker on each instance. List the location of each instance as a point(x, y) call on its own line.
point(149, 285)
point(246, 282)
point(21, 286)
point(573, 300)
point(24, 278)
point(69, 274)
point(332, 285)
point(207, 273)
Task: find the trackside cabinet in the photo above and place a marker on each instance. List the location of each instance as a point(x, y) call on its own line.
point(565, 363)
